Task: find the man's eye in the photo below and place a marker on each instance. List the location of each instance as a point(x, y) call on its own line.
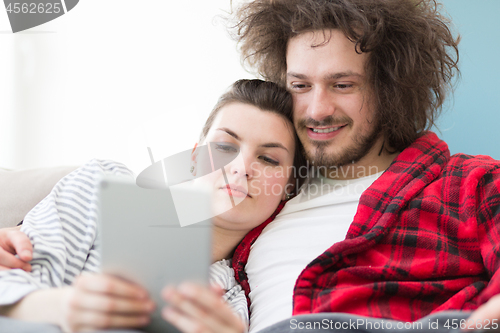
point(270, 160)
point(225, 148)
point(343, 86)
point(298, 86)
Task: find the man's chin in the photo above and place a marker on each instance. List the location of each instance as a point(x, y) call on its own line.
point(332, 158)
point(330, 155)
point(322, 156)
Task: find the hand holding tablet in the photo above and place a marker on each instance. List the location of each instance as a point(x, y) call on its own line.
point(142, 241)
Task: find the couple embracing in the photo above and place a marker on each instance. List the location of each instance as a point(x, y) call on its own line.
point(389, 227)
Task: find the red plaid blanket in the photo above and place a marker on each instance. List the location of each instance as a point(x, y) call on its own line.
point(425, 238)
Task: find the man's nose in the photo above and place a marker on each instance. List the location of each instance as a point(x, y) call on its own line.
point(321, 104)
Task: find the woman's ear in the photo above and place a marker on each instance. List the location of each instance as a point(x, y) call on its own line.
point(194, 148)
point(289, 190)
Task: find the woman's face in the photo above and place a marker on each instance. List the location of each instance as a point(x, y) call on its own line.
point(258, 177)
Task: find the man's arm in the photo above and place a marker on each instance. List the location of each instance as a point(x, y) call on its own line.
point(12, 242)
point(488, 194)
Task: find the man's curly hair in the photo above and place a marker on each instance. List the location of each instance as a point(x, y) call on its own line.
point(412, 54)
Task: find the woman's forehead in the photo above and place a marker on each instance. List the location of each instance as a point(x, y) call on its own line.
point(249, 122)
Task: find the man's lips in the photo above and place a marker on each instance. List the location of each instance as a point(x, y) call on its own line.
point(236, 191)
point(324, 133)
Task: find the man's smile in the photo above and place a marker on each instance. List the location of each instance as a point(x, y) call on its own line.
point(323, 133)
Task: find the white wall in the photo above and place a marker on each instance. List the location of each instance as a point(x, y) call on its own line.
point(110, 78)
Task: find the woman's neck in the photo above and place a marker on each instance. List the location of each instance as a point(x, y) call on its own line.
point(224, 242)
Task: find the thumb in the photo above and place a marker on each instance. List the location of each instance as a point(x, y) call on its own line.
point(217, 289)
point(19, 244)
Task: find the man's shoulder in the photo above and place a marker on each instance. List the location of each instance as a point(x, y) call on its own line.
point(473, 171)
point(430, 150)
point(470, 163)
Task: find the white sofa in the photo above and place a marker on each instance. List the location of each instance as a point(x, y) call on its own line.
point(21, 190)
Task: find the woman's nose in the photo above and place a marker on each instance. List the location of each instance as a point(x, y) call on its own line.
point(241, 167)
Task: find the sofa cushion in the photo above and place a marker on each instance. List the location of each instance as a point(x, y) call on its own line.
point(21, 190)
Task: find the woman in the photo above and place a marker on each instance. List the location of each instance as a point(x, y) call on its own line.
point(254, 117)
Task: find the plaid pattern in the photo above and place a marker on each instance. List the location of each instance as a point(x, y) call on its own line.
point(425, 238)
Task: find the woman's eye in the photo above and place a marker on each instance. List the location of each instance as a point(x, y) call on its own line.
point(225, 148)
point(270, 160)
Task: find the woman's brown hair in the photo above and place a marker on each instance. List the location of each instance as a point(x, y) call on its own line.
point(412, 56)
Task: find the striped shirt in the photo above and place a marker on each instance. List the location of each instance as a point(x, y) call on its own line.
point(63, 230)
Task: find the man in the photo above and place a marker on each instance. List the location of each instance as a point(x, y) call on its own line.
point(392, 226)
point(368, 79)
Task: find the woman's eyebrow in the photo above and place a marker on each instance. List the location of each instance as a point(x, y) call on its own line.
point(273, 145)
point(265, 145)
point(228, 131)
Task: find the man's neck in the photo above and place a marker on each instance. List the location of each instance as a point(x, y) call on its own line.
point(370, 164)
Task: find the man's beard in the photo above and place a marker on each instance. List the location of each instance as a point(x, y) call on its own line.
point(351, 154)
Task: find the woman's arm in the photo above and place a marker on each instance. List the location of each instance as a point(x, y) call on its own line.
point(39, 306)
point(94, 301)
point(62, 229)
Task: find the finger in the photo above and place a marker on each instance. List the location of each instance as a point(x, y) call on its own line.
point(209, 301)
point(218, 317)
point(185, 299)
point(83, 300)
point(217, 289)
point(180, 303)
point(110, 285)
point(181, 321)
point(18, 243)
point(488, 311)
point(92, 320)
point(9, 261)
point(166, 292)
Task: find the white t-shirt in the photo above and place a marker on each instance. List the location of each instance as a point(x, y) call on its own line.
point(307, 226)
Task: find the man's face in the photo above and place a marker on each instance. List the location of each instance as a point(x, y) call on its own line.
point(333, 112)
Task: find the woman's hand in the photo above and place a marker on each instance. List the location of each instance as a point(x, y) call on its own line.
point(99, 301)
point(12, 242)
point(195, 308)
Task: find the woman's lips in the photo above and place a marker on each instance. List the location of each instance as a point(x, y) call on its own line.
point(236, 191)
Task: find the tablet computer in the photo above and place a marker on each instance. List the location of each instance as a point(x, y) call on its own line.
point(142, 240)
